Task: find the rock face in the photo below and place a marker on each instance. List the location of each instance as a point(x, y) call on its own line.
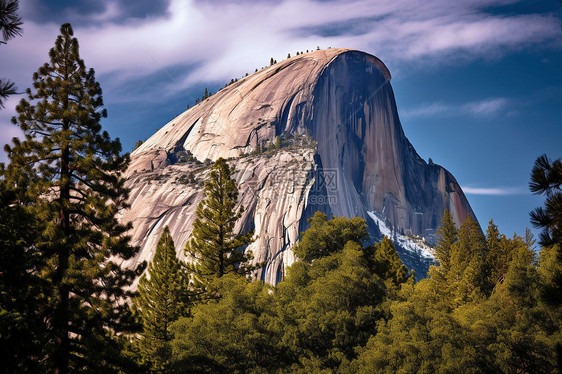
point(343, 152)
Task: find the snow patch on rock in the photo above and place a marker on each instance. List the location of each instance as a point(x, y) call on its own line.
point(412, 244)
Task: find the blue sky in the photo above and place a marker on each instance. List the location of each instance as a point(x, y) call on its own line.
point(478, 83)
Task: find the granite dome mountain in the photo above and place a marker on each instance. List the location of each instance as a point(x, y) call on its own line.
point(316, 132)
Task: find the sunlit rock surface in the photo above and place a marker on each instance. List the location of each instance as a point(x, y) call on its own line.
point(343, 152)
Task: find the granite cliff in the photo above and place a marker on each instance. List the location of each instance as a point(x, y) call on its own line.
point(343, 152)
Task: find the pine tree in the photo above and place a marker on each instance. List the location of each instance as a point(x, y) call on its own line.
point(277, 142)
point(162, 298)
point(390, 267)
point(467, 261)
point(10, 26)
point(546, 179)
point(75, 192)
point(529, 239)
point(214, 247)
point(325, 237)
point(447, 235)
point(495, 255)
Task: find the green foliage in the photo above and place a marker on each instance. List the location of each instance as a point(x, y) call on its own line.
point(447, 235)
point(21, 288)
point(388, 265)
point(313, 321)
point(432, 330)
point(138, 143)
point(231, 334)
point(328, 236)
point(329, 307)
point(420, 337)
point(163, 296)
point(214, 246)
point(468, 268)
point(10, 25)
point(71, 171)
point(546, 179)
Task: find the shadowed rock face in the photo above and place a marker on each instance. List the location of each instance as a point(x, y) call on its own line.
point(361, 165)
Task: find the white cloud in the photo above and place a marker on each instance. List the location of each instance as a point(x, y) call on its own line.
point(234, 37)
point(482, 108)
point(486, 107)
point(216, 40)
point(494, 191)
point(429, 110)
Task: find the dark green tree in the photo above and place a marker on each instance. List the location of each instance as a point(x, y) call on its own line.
point(447, 235)
point(214, 247)
point(21, 288)
point(232, 334)
point(325, 237)
point(313, 321)
point(389, 266)
point(163, 297)
point(75, 191)
point(495, 255)
point(500, 252)
point(468, 255)
point(138, 143)
point(546, 179)
point(10, 26)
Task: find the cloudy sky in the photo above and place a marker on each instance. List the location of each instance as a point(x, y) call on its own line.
point(478, 83)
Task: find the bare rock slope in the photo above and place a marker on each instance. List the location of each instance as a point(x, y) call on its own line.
point(343, 152)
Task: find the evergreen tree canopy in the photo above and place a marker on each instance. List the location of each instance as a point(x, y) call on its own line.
point(163, 297)
point(10, 26)
point(214, 247)
point(325, 237)
point(388, 264)
point(313, 321)
point(468, 256)
point(447, 235)
point(546, 179)
point(21, 288)
point(75, 190)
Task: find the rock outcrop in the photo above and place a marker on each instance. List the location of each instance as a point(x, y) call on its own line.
point(343, 152)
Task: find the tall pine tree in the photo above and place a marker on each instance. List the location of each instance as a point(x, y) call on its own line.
point(162, 298)
point(468, 255)
point(546, 179)
point(75, 191)
point(214, 247)
point(447, 235)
